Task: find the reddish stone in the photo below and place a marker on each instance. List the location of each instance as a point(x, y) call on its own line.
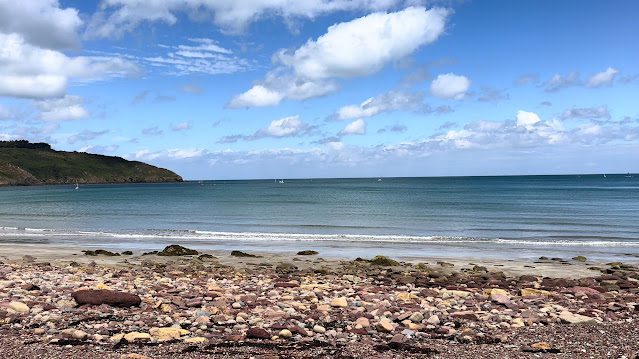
point(104, 296)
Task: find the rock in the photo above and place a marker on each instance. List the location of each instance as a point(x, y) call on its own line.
point(383, 261)
point(258, 333)
point(572, 318)
point(363, 322)
point(177, 250)
point(136, 336)
point(445, 264)
point(433, 319)
point(397, 341)
point(242, 254)
point(532, 292)
point(340, 302)
point(385, 325)
point(580, 258)
point(541, 347)
point(196, 340)
point(100, 252)
point(517, 323)
point(307, 253)
point(104, 296)
point(74, 334)
point(205, 256)
point(127, 253)
point(166, 334)
point(500, 296)
point(28, 258)
point(19, 307)
point(285, 333)
point(319, 329)
point(416, 317)
point(469, 315)
point(134, 356)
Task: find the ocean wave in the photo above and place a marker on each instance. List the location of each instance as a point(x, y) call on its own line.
point(217, 236)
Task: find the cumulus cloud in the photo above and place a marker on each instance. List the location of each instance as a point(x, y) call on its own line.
point(41, 23)
point(181, 154)
point(357, 127)
point(61, 109)
point(559, 82)
point(603, 78)
point(527, 119)
point(450, 86)
point(29, 71)
point(119, 16)
point(256, 96)
point(364, 45)
point(285, 127)
point(359, 47)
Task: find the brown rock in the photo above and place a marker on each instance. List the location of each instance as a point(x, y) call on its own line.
point(258, 333)
point(104, 296)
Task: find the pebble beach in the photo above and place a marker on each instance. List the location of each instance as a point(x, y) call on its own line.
point(70, 304)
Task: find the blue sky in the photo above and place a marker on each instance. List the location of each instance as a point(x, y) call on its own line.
point(327, 88)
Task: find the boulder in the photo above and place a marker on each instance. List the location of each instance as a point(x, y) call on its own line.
point(242, 254)
point(177, 250)
point(100, 252)
point(307, 253)
point(383, 261)
point(340, 302)
point(105, 296)
point(572, 318)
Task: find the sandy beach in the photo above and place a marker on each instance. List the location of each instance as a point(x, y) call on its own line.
point(62, 303)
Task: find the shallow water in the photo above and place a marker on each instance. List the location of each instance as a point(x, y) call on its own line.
point(494, 217)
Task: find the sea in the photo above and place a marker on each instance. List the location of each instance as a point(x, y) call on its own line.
point(506, 217)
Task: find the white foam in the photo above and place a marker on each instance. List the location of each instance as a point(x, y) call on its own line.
point(197, 235)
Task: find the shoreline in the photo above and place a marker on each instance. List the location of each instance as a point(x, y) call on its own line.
point(282, 305)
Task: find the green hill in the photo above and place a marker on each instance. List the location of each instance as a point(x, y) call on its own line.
point(24, 163)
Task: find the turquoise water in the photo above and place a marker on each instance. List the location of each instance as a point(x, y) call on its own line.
point(501, 217)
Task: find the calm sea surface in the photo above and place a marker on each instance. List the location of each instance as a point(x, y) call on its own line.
point(494, 217)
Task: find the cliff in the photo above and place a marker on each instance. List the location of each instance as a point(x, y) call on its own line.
point(24, 163)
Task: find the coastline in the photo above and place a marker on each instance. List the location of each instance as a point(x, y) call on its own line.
point(283, 305)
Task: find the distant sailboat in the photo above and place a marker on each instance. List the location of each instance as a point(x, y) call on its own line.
point(281, 181)
point(604, 175)
point(379, 180)
point(628, 175)
point(76, 185)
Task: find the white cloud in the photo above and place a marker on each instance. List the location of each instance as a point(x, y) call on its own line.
point(42, 23)
point(357, 127)
point(386, 102)
point(85, 135)
point(527, 119)
point(62, 109)
point(119, 16)
point(286, 126)
point(450, 86)
point(365, 45)
point(32, 72)
point(199, 56)
point(558, 82)
point(182, 126)
point(356, 48)
point(146, 155)
point(256, 96)
point(587, 112)
point(605, 77)
point(181, 154)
